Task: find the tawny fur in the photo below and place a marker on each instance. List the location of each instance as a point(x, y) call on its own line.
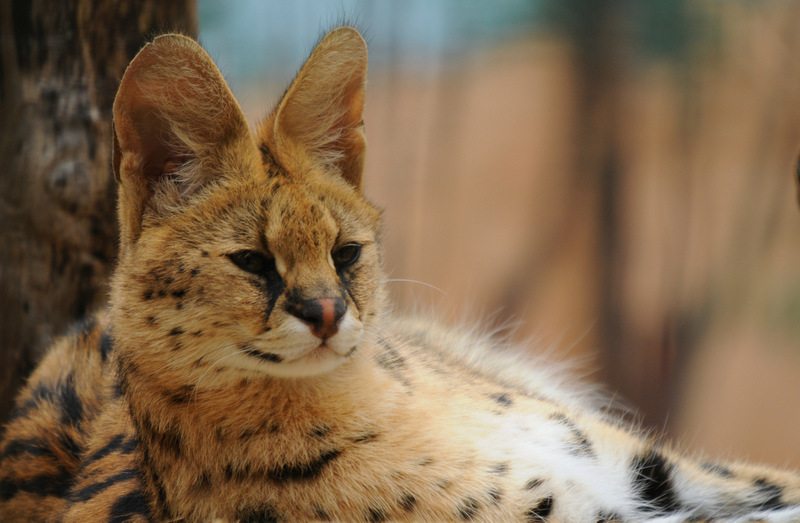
point(205, 392)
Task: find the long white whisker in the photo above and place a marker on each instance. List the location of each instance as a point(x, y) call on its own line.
point(405, 280)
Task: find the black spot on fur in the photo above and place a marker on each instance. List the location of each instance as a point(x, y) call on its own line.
point(266, 356)
point(302, 471)
point(131, 504)
point(263, 514)
point(652, 476)
point(772, 492)
point(177, 331)
point(180, 293)
point(468, 508)
point(541, 511)
point(504, 400)
point(320, 431)
point(181, 395)
point(407, 501)
point(320, 513)
point(376, 515)
point(194, 272)
point(107, 344)
point(88, 492)
point(501, 469)
point(533, 483)
point(494, 495)
point(147, 295)
point(365, 438)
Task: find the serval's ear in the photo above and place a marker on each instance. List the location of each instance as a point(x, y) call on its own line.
point(176, 125)
point(321, 117)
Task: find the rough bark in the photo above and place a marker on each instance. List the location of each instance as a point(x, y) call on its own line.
point(60, 64)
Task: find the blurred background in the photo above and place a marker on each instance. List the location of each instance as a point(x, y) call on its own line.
point(612, 181)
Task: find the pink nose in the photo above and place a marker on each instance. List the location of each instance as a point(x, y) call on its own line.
point(322, 315)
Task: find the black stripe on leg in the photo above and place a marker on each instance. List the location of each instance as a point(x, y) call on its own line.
point(652, 476)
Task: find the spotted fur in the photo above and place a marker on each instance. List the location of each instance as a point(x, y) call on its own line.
point(247, 368)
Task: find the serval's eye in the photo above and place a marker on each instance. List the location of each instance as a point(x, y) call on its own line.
point(253, 261)
point(346, 255)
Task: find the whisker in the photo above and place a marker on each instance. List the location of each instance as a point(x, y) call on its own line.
point(405, 280)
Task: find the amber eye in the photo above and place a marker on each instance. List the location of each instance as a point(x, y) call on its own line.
point(252, 261)
point(346, 255)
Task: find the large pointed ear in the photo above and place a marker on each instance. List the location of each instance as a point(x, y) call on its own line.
point(321, 116)
point(174, 121)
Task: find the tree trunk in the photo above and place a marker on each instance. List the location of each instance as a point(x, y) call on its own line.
point(60, 64)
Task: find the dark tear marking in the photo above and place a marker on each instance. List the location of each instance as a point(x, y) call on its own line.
point(652, 476)
point(90, 491)
point(717, 469)
point(541, 511)
point(468, 508)
point(771, 491)
point(265, 356)
point(262, 514)
point(107, 344)
point(407, 501)
point(272, 285)
point(56, 484)
point(131, 504)
point(365, 438)
point(302, 471)
point(71, 406)
point(376, 515)
point(502, 399)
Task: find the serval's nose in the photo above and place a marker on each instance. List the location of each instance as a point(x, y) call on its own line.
point(322, 315)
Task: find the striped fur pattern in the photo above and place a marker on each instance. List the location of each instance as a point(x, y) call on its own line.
point(248, 369)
